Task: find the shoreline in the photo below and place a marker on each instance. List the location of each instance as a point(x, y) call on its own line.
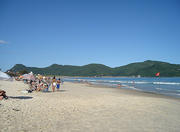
point(131, 91)
point(168, 87)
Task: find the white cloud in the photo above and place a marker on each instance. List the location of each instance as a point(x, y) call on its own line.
point(3, 42)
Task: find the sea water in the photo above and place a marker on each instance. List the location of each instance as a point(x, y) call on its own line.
point(161, 85)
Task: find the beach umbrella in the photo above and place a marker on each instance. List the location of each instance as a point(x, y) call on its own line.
point(4, 76)
point(29, 76)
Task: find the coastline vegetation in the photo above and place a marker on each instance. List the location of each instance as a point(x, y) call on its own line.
point(144, 69)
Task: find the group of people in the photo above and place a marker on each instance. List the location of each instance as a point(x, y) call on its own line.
point(44, 83)
point(38, 84)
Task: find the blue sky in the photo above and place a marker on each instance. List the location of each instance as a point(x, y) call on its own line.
point(77, 32)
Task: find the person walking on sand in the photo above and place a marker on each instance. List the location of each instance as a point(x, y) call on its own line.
point(53, 83)
point(58, 84)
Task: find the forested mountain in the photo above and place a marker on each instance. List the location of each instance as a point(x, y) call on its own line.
point(145, 69)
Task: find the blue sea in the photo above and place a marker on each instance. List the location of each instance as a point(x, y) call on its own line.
point(166, 86)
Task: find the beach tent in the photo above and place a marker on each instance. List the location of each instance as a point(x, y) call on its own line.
point(29, 76)
point(4, 76)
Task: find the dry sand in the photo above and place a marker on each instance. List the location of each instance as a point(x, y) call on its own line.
point(83, 108)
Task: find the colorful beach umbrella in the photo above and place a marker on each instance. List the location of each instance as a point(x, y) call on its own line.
point(29, 76)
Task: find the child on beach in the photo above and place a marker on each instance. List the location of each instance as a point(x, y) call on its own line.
point(45, 84)
point(45, 87)
point(40, 85)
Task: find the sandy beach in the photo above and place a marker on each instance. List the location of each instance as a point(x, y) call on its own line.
point(82, 107)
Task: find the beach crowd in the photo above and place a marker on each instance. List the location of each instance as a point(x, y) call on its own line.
point(38, 83)
point(42, 83)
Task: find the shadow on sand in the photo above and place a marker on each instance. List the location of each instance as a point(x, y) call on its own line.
point(55, 91)
point(61, 91)
point(20, 97)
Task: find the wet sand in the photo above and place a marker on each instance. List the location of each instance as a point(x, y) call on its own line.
point(82, 107)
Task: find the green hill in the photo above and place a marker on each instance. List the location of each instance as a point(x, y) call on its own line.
point(145, 69)
point(148, 69)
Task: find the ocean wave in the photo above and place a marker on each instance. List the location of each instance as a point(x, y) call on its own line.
point(117, 81)
point(130, 87)
point(168, 90)
point(177, 94)
point(177, 91)
point(167, 83)
point(124, 82)
point(159, 88)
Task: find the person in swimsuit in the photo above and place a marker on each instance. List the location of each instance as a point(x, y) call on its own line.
point(53, 83)
point(58, 84)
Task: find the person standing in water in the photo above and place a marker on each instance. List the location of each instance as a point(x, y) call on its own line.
point(53, 83)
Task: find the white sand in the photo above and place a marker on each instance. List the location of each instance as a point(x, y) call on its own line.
point(82, 108)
